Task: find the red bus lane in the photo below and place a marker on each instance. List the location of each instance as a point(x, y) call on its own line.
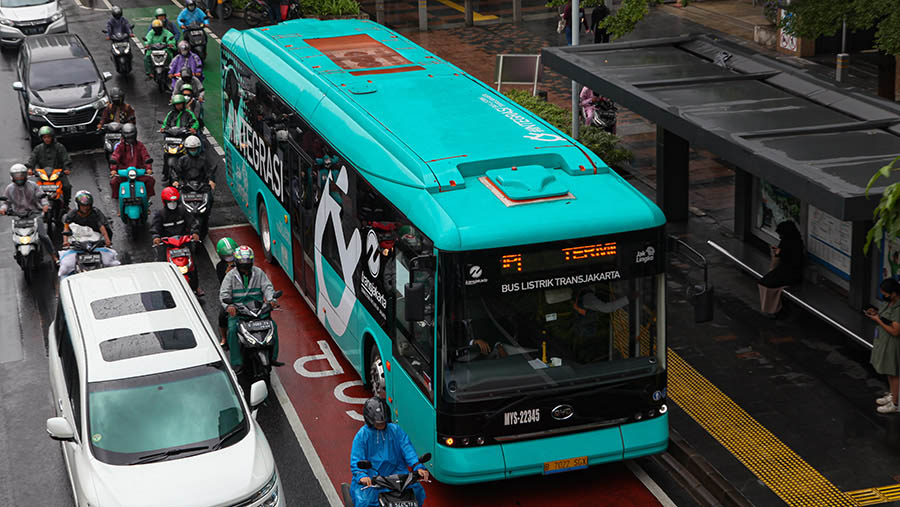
point(328, 395)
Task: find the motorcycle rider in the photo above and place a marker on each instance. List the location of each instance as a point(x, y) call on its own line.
point(130, 153)
point(388, 448)
point(21, 195)
point(225, 248)
point(193, 166)
point(180, 116)
point(157, 35)
point(52, 154)
point(192, 14)
point(185, 58)
point(117, 110)
point(172, 221)
point(118, 23)
point(167, 23)
point(195, 104)
point(244, 284)
point(86, 215)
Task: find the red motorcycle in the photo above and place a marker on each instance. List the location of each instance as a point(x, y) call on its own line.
point(179, 254)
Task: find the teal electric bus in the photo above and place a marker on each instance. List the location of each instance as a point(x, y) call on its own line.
point(498, 283)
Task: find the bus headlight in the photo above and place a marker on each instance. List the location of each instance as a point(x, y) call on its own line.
point(663, 409)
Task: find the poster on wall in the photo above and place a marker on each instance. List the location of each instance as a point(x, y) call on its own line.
point(829, 241)
point(775, 206)
point(787, 41)
point(890, 259)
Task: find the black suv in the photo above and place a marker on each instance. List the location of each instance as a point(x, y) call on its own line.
point(59, 85)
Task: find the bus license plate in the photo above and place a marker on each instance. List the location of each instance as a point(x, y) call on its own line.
point(565, 465)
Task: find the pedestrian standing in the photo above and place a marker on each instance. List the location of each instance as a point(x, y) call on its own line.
point(886, 349)
point(567, 16)
point(786, 268)
point(600, 12)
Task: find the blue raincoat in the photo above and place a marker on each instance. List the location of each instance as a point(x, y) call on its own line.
point(390, 452)
point(188, 16)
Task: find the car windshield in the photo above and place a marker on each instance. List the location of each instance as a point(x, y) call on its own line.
point(546, 327)
point(23, 3)
point(164, 416)
point(61, 73)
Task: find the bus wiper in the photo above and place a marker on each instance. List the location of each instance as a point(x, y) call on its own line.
point(160, 456)
point(224, 438)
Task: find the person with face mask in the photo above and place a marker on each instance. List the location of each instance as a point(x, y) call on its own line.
point(50, 153)
point(167, 23)
point(157, 35)
point(186, 77)
point(23, 195)
point(185, 58)
point(117, 110)
point(117, 23)
point(245, 284)
point(180, 116)
point(388, 448)
point(130, 153)
point(172, 220)
point(191, 14)
point(88, 217)
point(193, 166)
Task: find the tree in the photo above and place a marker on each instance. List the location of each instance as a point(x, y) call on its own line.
point(623, 20)
point(815, 18)
point(887, 213)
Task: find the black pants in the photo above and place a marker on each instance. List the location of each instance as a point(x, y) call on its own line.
point(66, 190)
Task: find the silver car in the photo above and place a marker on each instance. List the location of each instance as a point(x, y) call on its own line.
point(21, 18)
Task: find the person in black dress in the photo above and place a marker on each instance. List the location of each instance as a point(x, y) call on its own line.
point(600, 12)
point(786, 268)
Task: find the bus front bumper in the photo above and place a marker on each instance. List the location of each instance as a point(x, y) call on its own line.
point(517, 459)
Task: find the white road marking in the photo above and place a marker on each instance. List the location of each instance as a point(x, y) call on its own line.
point(309, 450)
point(79, 4)
point(650, 484)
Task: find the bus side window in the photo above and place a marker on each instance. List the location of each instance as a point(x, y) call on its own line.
point(414, 340)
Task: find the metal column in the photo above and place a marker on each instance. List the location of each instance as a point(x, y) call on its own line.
point(672, 174)
point(575, 21)
point(743, 204)
point(469, 13)
point(379, 11)
point(517, 11)
point(860, 266)
point(423, 15)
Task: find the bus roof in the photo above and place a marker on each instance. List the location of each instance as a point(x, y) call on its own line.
point(469, 167)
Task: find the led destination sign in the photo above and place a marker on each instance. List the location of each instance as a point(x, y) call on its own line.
point(562, 258)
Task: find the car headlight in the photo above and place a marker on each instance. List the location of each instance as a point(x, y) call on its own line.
point(7, 22)
point(103, 102)
point(36, 110)
point(268, 493)
point(56, 15)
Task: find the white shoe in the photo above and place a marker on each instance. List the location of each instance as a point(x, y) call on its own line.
point(884, 400)
point(888, 408)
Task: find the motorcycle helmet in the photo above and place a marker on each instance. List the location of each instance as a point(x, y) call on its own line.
point(374, 412)
point(160, 12)
point(178, 99)
point(225, 248)
point(243, 260)
point(18, 173)
point(184, 47)
point(170, 197)
point(157, 26)
point(84, 198)
point(192, 145)
point(117, 95)
point(129, 132)
point(116, 12)
point(187, 90)
point(186, 73)
point(190, 5)
point(45, 131)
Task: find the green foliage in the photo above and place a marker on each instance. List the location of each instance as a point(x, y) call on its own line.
point(815, 18)
point(604, 144)
point(329, 7)
point(239, 4)
point(887, 213)
point(584, 3)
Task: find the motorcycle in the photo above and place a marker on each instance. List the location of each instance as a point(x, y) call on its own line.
point(604, 114)
point(29, 252)
point(134, 204)
point(257, 335)
point(120, 51)
point(256, 12)
point(112, 134)
point(173, 149)
point(88, 257)
point(398, 492)
point(160, 58)
point(179, 254)
point(196, 36)
point(50, 181)
point(195, 198)
point(227, 9)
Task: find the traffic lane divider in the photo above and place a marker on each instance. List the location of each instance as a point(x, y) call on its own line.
point(328, 396)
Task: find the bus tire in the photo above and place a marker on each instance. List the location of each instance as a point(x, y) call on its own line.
point(376, 372)
point(265, 234)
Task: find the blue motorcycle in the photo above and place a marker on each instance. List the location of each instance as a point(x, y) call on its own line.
point(134, 204)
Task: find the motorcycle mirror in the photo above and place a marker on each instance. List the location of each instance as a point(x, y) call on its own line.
point(149, 161)
point(107, 76)
point(66, 233)
point(425, 458)
point(2, 198)
point(104, 30)
point(227, 301)
point(278, 293)
point(364, 464)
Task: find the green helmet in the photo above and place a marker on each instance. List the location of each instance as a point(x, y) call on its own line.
point(225, 248)
point(178, 99)
point(45, 131)
point(160, 12)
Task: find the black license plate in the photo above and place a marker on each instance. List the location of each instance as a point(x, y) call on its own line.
point(73, 128)
point(89, 258)
point(179, 252)
point(133, 201)
point(114, 135)
point(194, 197)
point(259, 325)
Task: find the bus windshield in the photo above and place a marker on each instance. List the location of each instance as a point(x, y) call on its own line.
point(537, 322)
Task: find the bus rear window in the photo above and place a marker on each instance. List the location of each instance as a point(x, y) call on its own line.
point(355, 52)
point(130, 304)
point(147, 344)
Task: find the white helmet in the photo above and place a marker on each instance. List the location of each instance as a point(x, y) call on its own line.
point(192, 142)
point(18, 173)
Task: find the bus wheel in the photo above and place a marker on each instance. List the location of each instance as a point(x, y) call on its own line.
point(265, 235)
point(376, 373)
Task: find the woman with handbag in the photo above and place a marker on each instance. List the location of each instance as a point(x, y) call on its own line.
point(566, 22)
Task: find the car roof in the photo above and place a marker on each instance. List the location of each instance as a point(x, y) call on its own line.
point(55, 47)
point(115, 284)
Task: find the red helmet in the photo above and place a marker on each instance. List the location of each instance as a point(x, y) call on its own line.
point(170, 194)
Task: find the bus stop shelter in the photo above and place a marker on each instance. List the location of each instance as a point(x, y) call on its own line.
point(803, 148)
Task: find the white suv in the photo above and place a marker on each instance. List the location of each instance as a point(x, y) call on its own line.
point(21, 18)
point(148, 411)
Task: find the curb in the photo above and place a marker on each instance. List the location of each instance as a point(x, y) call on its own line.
point(700, 478)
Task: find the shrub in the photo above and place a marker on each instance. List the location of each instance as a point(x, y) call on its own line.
point(239, 4)
point(329, 7)
point(601, 142)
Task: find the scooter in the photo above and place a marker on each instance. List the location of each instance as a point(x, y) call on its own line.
point(256, 333)
point(112, 134)
point(196, 36)
point(227, 9)
point(398, 494)
point(173, 149)
point(88, 258)
point(604, 114)
point(256, 13)
point(134, 204)
point(178, 253)
point(120, 51)
point(50, 181)
point(29, 251)
point(195, 198)
point(160, 58)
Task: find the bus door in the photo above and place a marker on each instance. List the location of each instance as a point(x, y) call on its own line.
point(299, 173)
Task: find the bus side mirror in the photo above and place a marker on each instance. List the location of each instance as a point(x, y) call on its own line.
point(414, 301)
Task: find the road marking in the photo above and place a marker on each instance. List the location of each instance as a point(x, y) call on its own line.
point(309, 450)
point(875, 496)
point(767, 457)
point(650, 484)
point(460, 8)
point(79, 4)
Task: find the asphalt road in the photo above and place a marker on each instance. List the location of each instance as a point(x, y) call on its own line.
point(32, 471)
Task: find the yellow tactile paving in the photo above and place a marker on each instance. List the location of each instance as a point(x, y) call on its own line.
point(775, 464)
point(875, 496)
point(475, 16)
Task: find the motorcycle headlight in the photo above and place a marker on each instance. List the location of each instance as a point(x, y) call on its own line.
point(36, 110)
point(56, 15)
point(103, 102)
point(54, 176)
point(184, 269)
point(24, 240)
point(132, 174)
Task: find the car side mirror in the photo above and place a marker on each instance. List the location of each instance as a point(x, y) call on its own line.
point(59, 429)
point(18, 86)
point(107, 76)
point(364, 464)
point(258, 393)
point(414, 301)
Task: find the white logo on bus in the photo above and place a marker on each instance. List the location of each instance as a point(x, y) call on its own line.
point(372, 253)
